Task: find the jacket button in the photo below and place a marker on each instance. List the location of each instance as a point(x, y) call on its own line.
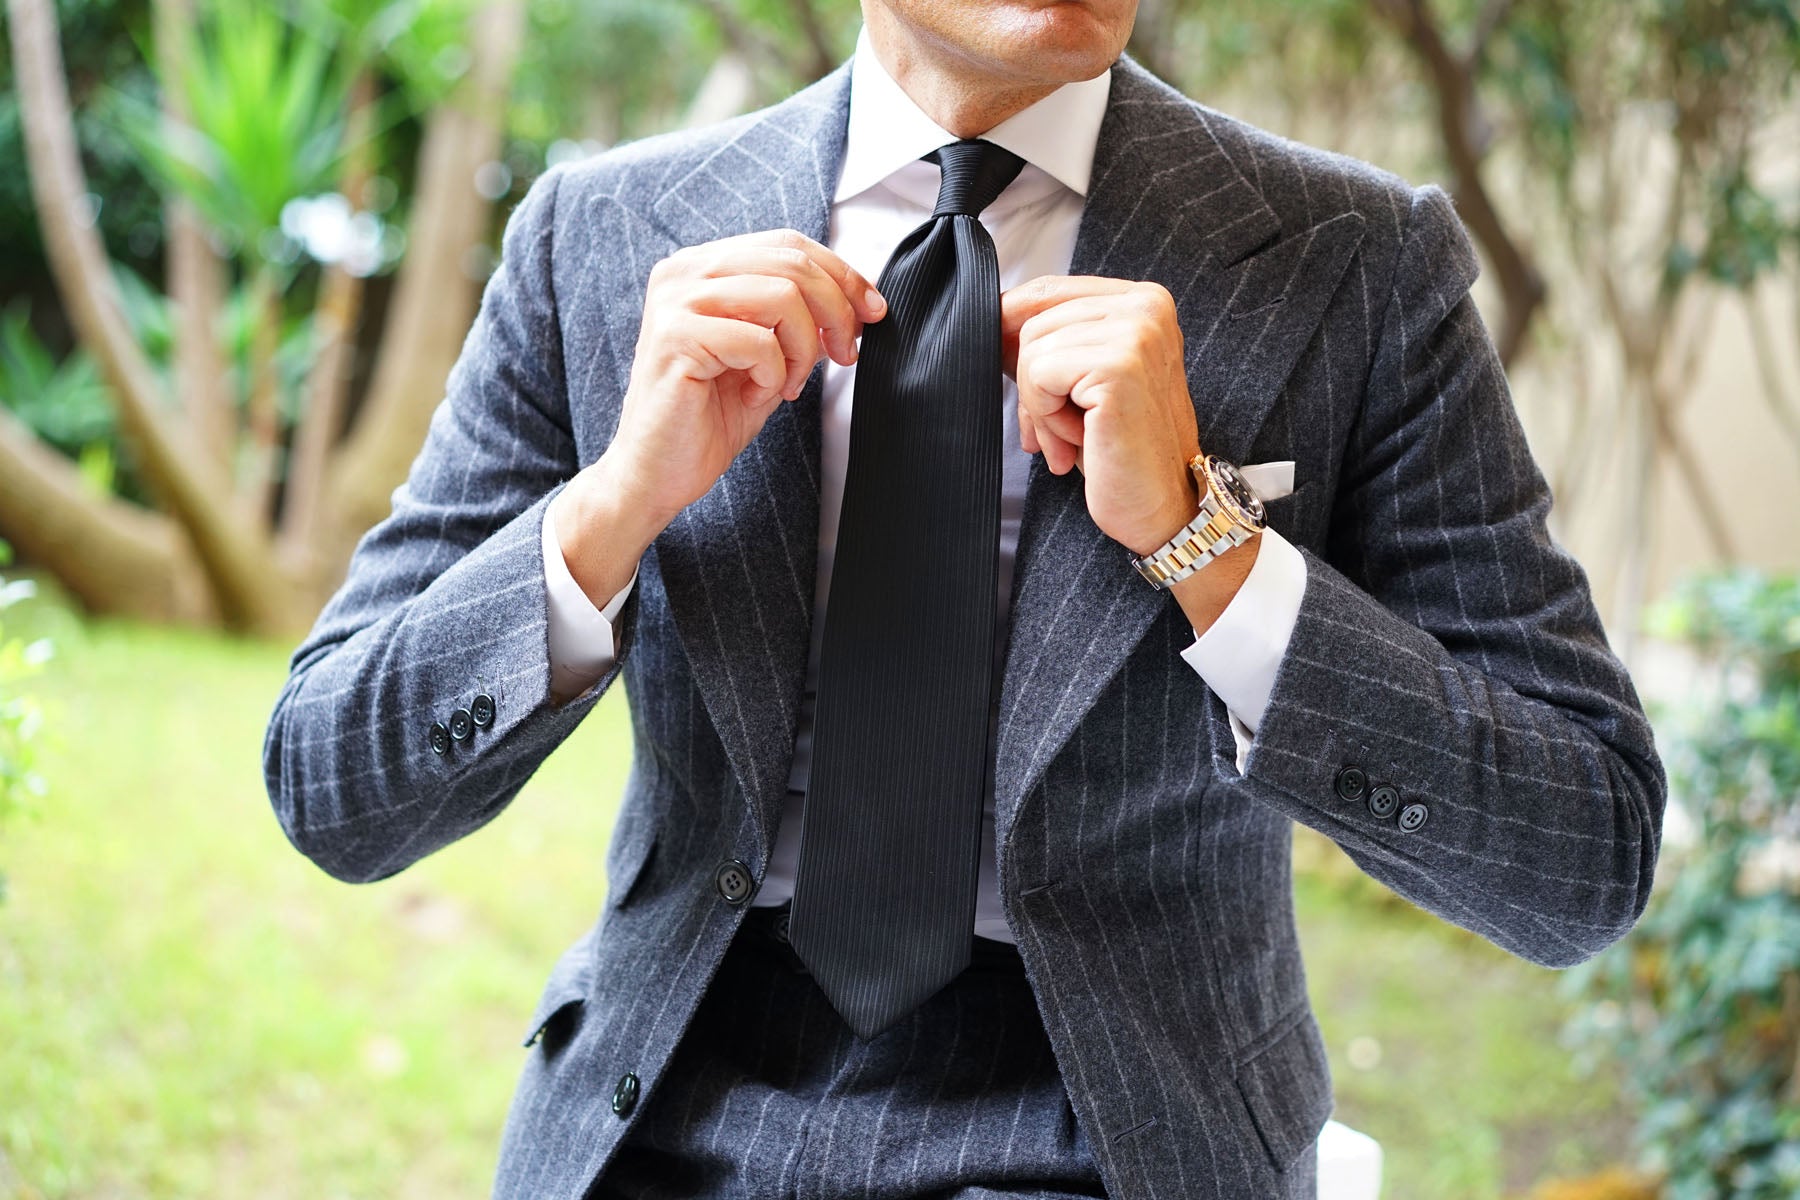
point(625, 1095)
point(482, 709)
point(1351, 783)
point(1412, 817)
point(734, 881)
point(1383, 800)
point(461, 724)
point(440, 738)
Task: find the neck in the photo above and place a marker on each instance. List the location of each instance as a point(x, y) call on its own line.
point(948, 87)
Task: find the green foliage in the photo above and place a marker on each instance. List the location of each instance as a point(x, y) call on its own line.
point(65, 403)
point(20, 716)
point(1702, 1001)
point(191, 1009)
point(99, 51)
point(265, 102)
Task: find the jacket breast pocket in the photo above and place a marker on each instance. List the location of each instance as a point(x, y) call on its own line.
point(1287, 1088)
point(1291, 515)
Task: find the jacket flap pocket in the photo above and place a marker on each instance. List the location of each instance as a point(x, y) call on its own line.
point(565, 991)
point(1287, 1088)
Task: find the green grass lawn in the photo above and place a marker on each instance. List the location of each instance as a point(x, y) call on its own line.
point(188, 1008)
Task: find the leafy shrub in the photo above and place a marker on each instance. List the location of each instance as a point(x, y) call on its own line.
point(19, 713)
point(1702, 1000)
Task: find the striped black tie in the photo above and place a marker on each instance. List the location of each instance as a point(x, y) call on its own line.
point(884, 897)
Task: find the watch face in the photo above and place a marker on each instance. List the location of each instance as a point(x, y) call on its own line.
point(1234, 491)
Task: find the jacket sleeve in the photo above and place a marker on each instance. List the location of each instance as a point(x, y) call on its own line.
point(1446, 646)
point(444, 601)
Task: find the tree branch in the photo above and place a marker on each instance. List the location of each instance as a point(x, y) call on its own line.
point(333, 332)
point(196, 274)
point(434, 297)
point(116, 558)
point(751, 45)
point(1488, 22)
point(240, 565)
point(1465, 134)
point(824, 58)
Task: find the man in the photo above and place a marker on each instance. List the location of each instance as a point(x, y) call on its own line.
point(889, 915)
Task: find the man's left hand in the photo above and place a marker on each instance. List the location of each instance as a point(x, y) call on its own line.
point(1103, 388)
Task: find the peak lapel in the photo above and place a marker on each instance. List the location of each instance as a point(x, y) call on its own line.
point(1167, 204)
point(738, 565)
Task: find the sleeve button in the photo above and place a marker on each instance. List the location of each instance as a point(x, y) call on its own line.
point(1413, 816)
point(1351, 784)
point(625, 1094)
point(461, 724)
point(482, 710)
point(1384, 799)
point(440, 738)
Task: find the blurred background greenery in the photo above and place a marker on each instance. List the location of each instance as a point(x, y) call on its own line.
point(243, 241)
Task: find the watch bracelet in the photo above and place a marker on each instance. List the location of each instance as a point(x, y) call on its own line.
point(1208, 536)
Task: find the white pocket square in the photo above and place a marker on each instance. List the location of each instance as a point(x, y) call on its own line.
point(1270, 480)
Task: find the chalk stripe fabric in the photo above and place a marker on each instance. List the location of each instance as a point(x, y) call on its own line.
point(776, 1100)
point(1445, 643)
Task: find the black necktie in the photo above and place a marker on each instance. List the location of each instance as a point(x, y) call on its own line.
point(884, 897)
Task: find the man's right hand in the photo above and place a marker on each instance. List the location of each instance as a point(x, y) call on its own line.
point(730, 329)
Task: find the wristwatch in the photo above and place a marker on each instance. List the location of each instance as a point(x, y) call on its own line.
point(1230, 514)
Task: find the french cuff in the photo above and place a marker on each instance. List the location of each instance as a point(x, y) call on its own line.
point(1239, 654)
point(580, 636)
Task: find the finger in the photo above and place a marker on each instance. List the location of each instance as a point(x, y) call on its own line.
point(1085, 318)
point(1049, 434)
point(773, 301)
point(833, 312)
point(1042, 397)
point(1028, 440)
point(1020, 303)
point(1059, 454)
point(707, 347)
point(869, 304)
point(1067, 374)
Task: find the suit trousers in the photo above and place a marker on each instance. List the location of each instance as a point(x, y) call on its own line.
point(770, 1095)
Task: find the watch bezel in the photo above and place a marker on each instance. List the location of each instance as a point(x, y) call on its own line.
point(1223, 479)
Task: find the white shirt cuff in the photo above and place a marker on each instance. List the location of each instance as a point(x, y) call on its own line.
point(1241, 652)
point(580, 635)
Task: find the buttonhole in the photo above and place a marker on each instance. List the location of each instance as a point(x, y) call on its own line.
point(1264, 307)
point(1032, 891)
point(1138, 1128)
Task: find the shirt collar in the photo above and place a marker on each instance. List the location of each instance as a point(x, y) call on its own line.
point(887, 130)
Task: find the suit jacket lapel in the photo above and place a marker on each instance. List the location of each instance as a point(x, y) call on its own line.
point(1167, 203)
point(738, 564)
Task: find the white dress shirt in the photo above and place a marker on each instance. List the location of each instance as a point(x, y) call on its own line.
point(885, 191)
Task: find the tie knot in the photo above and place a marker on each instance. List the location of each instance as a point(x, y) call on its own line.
point(975, 173)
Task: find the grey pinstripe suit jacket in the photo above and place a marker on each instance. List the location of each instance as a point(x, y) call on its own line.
point(1444, 644)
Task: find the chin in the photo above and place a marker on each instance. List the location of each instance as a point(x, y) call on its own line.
point(1070, 39)
point(1048, 41)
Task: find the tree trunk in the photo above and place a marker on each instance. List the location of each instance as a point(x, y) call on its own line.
point(262, 416)
point(333, 336)
point(114, 557)
point(434, 296)
point(240, 565)
point(196, 273)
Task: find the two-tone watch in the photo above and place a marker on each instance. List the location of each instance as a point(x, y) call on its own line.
point(1230, 514)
